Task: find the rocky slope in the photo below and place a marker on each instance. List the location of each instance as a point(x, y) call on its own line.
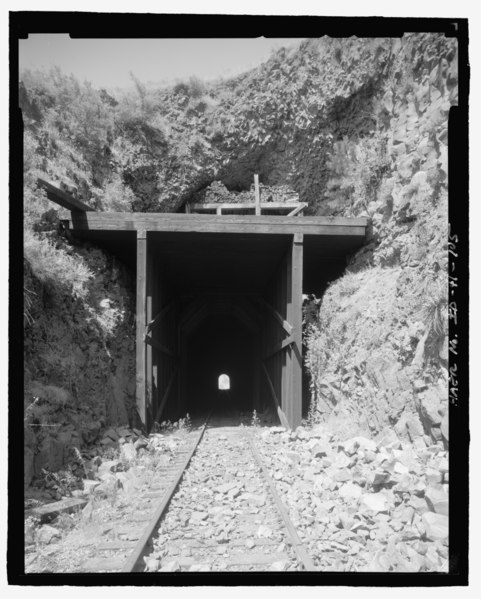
point(79, 352)
point(355, 127)
point(361, 505)
point(379, 350)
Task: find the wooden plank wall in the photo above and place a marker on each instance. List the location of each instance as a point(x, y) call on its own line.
point(294, 402)
point(156, 360)
point(141, 292)
point(148, 348)
point(286, 354)
point(284, 368)
point(273, 334)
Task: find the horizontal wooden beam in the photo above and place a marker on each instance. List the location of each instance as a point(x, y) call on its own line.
point(154, 343)
point(282, 321)
point(155, 321)
point(60, 197)
point(279, 347)
point(51, 510)
point(249, 206)
point(210, 223)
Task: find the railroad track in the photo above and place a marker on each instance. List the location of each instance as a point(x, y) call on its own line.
point(132, 537)
point(219, 511)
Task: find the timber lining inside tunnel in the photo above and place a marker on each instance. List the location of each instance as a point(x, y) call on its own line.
point(221, 294)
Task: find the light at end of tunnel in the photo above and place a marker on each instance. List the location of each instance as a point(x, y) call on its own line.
point(224, 382)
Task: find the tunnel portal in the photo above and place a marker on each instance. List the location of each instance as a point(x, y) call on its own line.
point(221, 294)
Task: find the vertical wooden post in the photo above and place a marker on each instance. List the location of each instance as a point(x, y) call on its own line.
point(140, 322)
point(257, 194)
point(149, 408)
point(285, 356)
point(294, 407)
point(155, 351)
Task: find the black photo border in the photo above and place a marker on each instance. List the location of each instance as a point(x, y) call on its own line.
point(136, 25)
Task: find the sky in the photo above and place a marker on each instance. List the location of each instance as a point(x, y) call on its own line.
point(108, 62)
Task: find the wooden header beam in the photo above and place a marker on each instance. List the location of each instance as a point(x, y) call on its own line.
point(211, 223)
point(60, 197)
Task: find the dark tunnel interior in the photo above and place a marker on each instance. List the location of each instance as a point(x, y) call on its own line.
point(209, 277)
point(219, 345)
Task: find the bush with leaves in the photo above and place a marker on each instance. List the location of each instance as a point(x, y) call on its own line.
point(115, 196)
point(434, 313)
point(54, 266)
point(194, 87)
point(63, 481)
point(357, 168)
point(68, 128)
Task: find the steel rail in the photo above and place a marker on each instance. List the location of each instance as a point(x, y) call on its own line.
point(296, 542)
point(137, 552)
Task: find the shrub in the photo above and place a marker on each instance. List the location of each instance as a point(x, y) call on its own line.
point(128, 111)
point(181, 88)
point(55, 267)
point(62, 481)
point(71, 109)
point(194, 87)
point(115, 197)
point(130, 156)
point(161, 125)
point(435, 309)
point(55, 397)
point(357, 168)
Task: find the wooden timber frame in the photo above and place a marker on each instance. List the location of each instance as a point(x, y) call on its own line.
point(257, 208)
point(268, 253)
point(289, 208)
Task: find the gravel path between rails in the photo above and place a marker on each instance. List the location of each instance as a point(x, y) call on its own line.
point(222, 518)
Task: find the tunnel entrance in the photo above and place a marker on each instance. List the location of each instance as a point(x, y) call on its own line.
point(221, 294)
point(221, 343)
point(223, 382)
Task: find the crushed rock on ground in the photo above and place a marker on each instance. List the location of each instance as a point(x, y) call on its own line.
point(222, 517)
point(65, 543)
point(362, 505)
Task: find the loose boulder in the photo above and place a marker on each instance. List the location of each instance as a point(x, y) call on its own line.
point(436, 525)
point(47, 534)
point(375, 502)
point(437, 499)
